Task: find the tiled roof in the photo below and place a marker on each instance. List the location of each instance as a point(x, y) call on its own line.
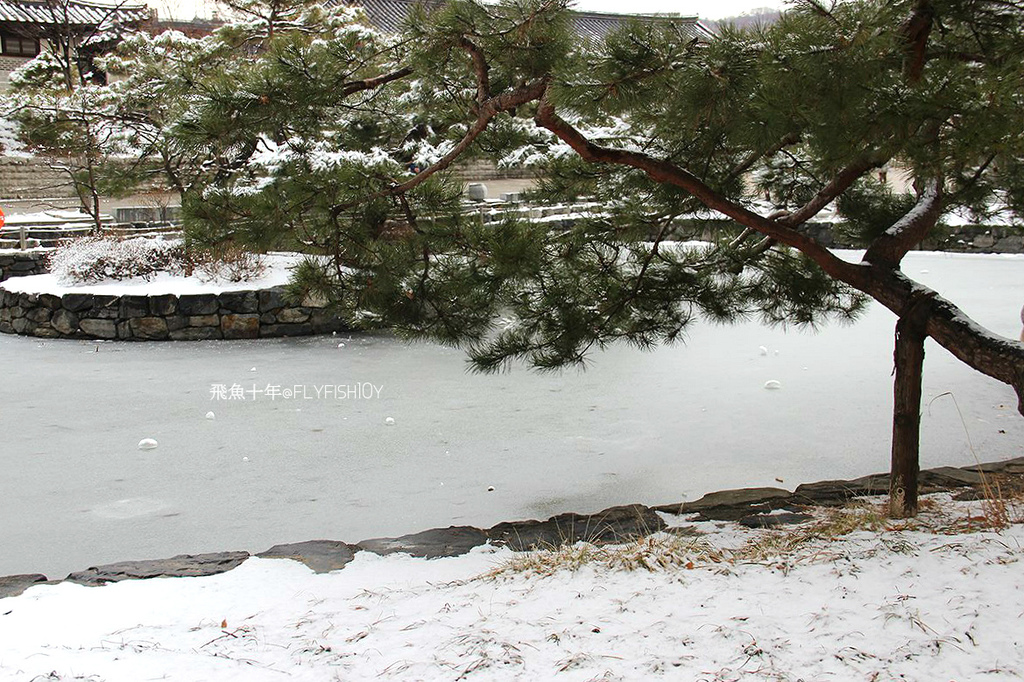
point(389, 15)
point(78, 13)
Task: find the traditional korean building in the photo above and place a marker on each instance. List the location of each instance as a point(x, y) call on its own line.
point(88, 28)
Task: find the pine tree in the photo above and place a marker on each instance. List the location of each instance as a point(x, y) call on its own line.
point(653, 125)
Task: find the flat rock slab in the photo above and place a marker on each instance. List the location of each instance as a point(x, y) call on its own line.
point(774, 520)
point(13, 585)
point(181, 566)
point(614, 525)
point(430, 544)
point(323, 556)
point(726, 498)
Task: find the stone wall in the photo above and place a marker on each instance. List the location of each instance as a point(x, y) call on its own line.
point(229, 315)
point(23, 263)
point(31, 178)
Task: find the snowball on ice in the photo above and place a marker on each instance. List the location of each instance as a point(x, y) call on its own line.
point(763, 350)
point(773, 385)
point(147, 444)
point(390, 421)
point(211, 415)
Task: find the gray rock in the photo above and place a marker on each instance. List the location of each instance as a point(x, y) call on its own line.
point(76, 302)
point(614, 525)
point(13, 585)
point(99, 329)
point(124, 331)
point(149, 328)
point(275, 330)
point(271, 299)
point(239, 301)
point(44, 332)
point(181, 566)
point(774, 520)
point(164, 305)
point(322, 556)
point(104, 307)
point(133, 306)
point(196, 334)
point(198, 304)
point(430, 544)
point(65, 322)
point(292, 315)
point(175, 322)
point(840, 492)
point(39, 314)
point(726, 498)
point(204, 321)
point(240, 326)
point(50, 301)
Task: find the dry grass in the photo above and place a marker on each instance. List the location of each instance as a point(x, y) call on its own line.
point(782, 547)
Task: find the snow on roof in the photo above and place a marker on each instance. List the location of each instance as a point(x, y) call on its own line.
point(389, 15)
point(74, 12)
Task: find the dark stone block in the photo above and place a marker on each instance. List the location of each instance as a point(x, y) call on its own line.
point(204, 321)
point(430, 544)
point(324, 320)
point(45, 332)
point(614, 525)
point(76, 302)
point(134, 306)
point(293, 315)
point(175, 322)
point(22, 325)
point(239, 301)
point(105, 307)
point(99, 329)
point(196, 334)
point(50, 301)
point(271, 299)
point(13, 585)
point(149, 328)
point(322, 556)
point(124, 331)
point(198, 304)
point(274, 330)
point(240, 326)
point(182, 566)
point(740, 498)
point(39, 314)
point(65, 322)
point(164, 305)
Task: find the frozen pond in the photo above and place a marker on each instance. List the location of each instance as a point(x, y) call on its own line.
point(656, 427)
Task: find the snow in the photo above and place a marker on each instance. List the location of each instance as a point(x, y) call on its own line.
point(278, 273)
point(900, 604)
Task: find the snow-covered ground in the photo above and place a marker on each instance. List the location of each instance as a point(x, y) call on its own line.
point(927, 604)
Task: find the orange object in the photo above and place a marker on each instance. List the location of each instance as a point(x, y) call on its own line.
point(1, 217)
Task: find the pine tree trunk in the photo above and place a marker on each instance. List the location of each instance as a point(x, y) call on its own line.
point(906, 419)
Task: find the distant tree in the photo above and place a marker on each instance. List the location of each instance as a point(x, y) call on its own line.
point(653, 125)
point(62, 106)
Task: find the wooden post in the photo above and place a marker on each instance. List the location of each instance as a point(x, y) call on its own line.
point(23, 238)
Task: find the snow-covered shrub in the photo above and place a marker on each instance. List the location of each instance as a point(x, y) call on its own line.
point(94, 259)
point(89, 260)
point(231, 264)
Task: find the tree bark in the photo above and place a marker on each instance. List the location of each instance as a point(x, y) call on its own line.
point(906, 416)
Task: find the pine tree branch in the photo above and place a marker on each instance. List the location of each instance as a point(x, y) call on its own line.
point(841, 182)
point(664, 172)
point(891, 246)
point(352, 87)
point(752, 158)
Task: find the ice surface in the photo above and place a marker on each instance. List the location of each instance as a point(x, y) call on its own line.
point(652, 427)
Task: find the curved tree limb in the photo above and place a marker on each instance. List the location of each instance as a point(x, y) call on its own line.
point(891, 246)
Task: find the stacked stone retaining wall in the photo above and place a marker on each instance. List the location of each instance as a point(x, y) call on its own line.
point(23, 263)
point(229, 315)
